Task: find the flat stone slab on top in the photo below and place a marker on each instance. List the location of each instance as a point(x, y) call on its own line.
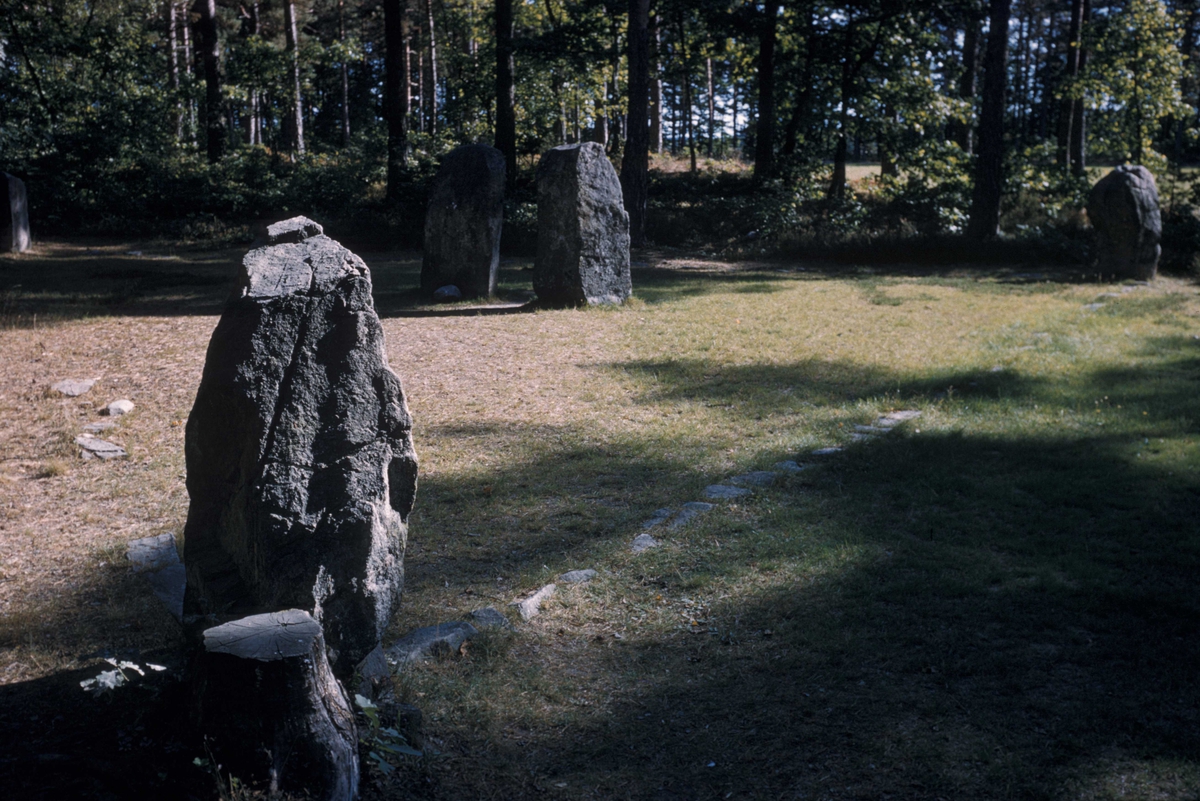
point(756, 478)
point(96, 448)
point(722, 492)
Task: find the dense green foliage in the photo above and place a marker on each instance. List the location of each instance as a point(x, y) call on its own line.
point(102, 107)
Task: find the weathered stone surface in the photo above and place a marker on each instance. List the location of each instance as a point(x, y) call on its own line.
point(297, 229)
point(14, 217)
point(896, 418)
point(722, 492)
point(832, 449)
point(463, 222)
point(157, 559)
point(300, 464)
point(789, 466)
point(690, 511)
point(583, 230)
point(99, 425)
point(643, 542)
point(96, 448)
point(73, 388)
point(429, 642)
point(1123, 208)
point(489, 618)
point(660, 516)
point(118, 408)
point(530, 607)
point(577, 576)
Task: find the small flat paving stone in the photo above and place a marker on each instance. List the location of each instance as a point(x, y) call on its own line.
point(827, 451)
point(118, 408)
point(757, 478)
point(157, 559)
point(578, 576)
point(642, 543)
point(690, 511)
point(724, 492)
point(872, 429)
point(660, 516)
point(531, 607)
point(489, 618)
point(423, 644)
point(96, 448)
point(789, 466)
point(73, 387)
point(99, 426)
point(1093, 306)
point(896, 418)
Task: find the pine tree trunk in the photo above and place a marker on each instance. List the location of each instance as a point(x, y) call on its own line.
point(506, 100)
point(1078, 140)
point(295, 118)
point(837, 186)
point(656, 87)
point(764, 145)
point(967, 85)
point(345, 76)
point(173, 66)
point(712, 129)
point(989, 166)
point(635, 163)
point(214, 105)
point(396, 91)
point(432, 76)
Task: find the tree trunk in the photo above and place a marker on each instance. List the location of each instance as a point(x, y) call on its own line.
point(271, 708)
point(295, 118)
point(396, 91)
point(791, 133)
point(967, 83)
point(1078, 141)
point(506, 100)
point(214, 106)
point(989, 166)
point(656, 87)
point(712, 128)
point(837, 186)
point(764, 144)
point(173, 66)
point(432, 76)
point(635, 163)
point(345, 76)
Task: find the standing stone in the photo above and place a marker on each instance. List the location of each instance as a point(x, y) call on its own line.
point(463, 222)
point(14, 219)
point(1123, 207)
point(583, 230)
point(300, 463)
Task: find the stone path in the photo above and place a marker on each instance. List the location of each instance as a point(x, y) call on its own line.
point(91, 445)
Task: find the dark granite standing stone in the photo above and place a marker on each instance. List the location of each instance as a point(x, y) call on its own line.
point(463, 222)
point(583, 230)
point(14, 218)
point(300, 463)
point(1123, 207)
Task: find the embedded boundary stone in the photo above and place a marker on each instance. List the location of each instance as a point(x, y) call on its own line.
point(583, 229)
point(463, 222)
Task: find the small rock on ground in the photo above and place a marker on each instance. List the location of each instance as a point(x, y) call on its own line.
point(577, 576)
point(722, 492)
point(689, 511)
point(431, 641)
point(827, 451)
point(789, 466)
point(1093, 306)
point(98, 426)
point(372, 672)
point(643, 542)
point(152, 553)
point(532, 606)
point(895, 418)
point(73, 387)
point(872, 429)
point(118, 408)
point(758, 478)
point(660, 516)
point(489, 618)
point(96, 448)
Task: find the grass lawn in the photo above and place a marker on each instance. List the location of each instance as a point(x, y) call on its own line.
point(996, 600)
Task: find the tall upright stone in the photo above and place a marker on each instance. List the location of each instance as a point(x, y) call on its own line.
point(583, 229)
point(1123, 208)
point(14, 218)
point(300, 462)
point(463, 222)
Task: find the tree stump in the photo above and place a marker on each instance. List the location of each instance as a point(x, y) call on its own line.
point(272, 709)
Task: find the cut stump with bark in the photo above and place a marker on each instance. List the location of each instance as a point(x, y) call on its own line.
point(271, 708)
